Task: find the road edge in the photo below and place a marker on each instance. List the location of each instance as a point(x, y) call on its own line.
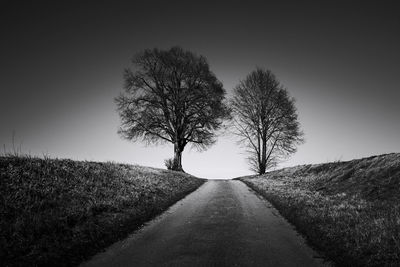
point(321, 255)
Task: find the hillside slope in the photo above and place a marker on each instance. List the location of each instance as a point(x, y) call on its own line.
point(348, 210)
point(59, 212)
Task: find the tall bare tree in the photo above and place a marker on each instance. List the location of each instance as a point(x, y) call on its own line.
point(265, 119)
point(171, 96)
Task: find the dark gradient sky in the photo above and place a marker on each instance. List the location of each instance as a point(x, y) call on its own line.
point(61, 65)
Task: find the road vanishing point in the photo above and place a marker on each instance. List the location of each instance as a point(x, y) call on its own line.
point(222, 223)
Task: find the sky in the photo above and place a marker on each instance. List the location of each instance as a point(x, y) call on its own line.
point(62, 65)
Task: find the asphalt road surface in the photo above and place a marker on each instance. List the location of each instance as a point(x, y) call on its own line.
point(223, 223)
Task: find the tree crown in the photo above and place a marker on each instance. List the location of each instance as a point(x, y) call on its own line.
point(171, 96)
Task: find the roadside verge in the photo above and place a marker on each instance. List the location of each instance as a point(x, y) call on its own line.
point(348, 211)
point(60, 212)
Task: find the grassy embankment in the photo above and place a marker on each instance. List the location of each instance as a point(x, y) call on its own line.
point(58, 212)
point(350, 211)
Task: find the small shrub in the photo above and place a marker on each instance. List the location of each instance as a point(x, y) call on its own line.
point(169, 163)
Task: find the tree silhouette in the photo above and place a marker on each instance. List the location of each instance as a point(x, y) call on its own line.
point(265, 119)
point(171, 96)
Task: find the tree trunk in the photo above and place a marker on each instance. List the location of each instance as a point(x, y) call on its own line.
point(263, 164)
point(177, 158)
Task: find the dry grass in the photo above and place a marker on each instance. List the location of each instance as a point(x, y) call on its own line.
point(348, 210)
point(59, 212)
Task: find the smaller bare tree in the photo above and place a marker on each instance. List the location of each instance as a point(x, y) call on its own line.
point(265, 119)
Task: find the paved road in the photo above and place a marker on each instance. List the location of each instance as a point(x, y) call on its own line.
point(223, 223)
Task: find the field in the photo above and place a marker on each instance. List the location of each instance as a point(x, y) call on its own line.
point(59, 212)
point(350, 211)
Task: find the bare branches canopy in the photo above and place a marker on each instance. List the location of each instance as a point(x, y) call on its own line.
point(171, 96)
point(265, 119)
